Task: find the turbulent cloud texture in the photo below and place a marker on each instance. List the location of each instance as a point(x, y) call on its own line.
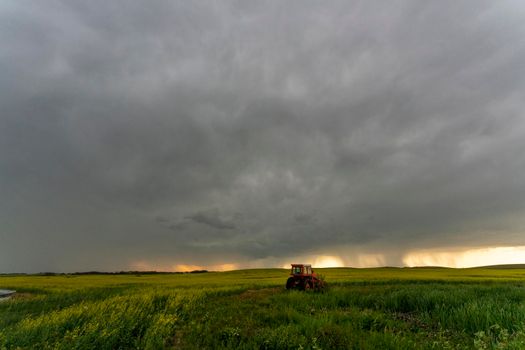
point(203, 133)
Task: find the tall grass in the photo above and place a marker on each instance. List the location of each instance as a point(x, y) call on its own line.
point(362, 309)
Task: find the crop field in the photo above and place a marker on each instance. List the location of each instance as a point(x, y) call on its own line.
point(384, 308)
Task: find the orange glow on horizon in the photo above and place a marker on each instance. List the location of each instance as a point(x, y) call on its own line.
point(320, 261)
point(466, 258)
point(328, 261)
point(185, 268)
point(163, 267)
point(456, 258)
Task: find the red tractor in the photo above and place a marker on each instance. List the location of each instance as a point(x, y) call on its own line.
point(303, 277)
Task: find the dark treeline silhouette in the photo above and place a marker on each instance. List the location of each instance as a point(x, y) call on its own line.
point(104, 273)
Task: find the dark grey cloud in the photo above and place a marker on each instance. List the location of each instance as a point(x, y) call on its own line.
point(204, 133)
point(211, 219)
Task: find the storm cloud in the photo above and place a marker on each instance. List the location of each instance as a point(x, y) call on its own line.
point(248, 132)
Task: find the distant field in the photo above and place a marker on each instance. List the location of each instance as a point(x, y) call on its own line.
point(385, 308)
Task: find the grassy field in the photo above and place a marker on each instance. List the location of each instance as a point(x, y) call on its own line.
point(386, 308)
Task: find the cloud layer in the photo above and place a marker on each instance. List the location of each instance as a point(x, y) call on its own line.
point(247, 133)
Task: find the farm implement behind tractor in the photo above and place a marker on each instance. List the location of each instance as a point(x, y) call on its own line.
point(303, 277)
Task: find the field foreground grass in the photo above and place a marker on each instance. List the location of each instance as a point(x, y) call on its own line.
point(384, 308)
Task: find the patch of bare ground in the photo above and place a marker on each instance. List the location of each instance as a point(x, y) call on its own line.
point(412, 320)
point(22, 296)
point(262, 293)
point(176, 341)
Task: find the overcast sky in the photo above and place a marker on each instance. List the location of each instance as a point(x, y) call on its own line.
point(153, 134)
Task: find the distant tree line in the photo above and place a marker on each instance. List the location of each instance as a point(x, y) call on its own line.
point(103, 273)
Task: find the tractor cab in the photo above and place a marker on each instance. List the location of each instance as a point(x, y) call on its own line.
point(301, 269)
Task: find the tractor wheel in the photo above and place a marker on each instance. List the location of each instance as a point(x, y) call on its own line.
point(290, 283)
point(320, 285)
point(307, 285)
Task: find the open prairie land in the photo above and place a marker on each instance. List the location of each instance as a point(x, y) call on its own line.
point(384, 308)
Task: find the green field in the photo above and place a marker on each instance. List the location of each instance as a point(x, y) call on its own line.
point(386, 308)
